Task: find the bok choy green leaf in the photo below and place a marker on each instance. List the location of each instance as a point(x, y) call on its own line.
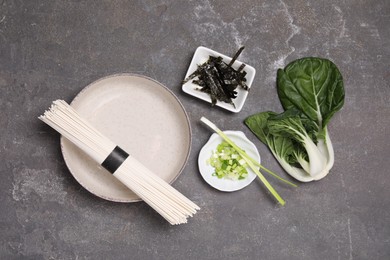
point(311, 91)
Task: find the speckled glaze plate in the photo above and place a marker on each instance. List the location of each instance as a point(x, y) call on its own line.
point(144, 118)
point(207, 170)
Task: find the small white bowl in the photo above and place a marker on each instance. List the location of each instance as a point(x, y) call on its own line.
point(201, 56)
point(207, 170)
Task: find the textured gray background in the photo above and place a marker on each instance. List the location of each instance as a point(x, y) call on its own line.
point(52, 49)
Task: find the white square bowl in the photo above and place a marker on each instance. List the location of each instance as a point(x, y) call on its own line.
point(201, 56)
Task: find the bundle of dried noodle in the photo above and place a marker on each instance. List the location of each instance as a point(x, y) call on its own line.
point(161, 196)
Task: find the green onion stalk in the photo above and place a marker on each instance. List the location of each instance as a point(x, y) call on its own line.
point(251, 162)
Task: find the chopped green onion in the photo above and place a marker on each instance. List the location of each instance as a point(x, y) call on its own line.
point(251, 162)
point(228, 163)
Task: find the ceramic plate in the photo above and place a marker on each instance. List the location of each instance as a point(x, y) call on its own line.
point(201, 55)
point(141, 116)
point(207, 171)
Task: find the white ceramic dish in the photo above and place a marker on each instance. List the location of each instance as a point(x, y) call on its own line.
point(206, 170)
point(141, 116)
point(201, 55)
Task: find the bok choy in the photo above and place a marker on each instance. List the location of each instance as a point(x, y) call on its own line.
point(311, 91)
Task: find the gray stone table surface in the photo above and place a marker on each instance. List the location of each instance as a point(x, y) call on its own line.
point(53, 49)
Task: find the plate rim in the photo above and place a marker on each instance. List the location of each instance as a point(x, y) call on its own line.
point(90, 85)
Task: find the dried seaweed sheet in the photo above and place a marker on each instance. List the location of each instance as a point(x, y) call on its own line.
point(219, 79)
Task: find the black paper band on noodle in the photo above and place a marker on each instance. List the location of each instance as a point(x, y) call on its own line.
point(115, 159)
